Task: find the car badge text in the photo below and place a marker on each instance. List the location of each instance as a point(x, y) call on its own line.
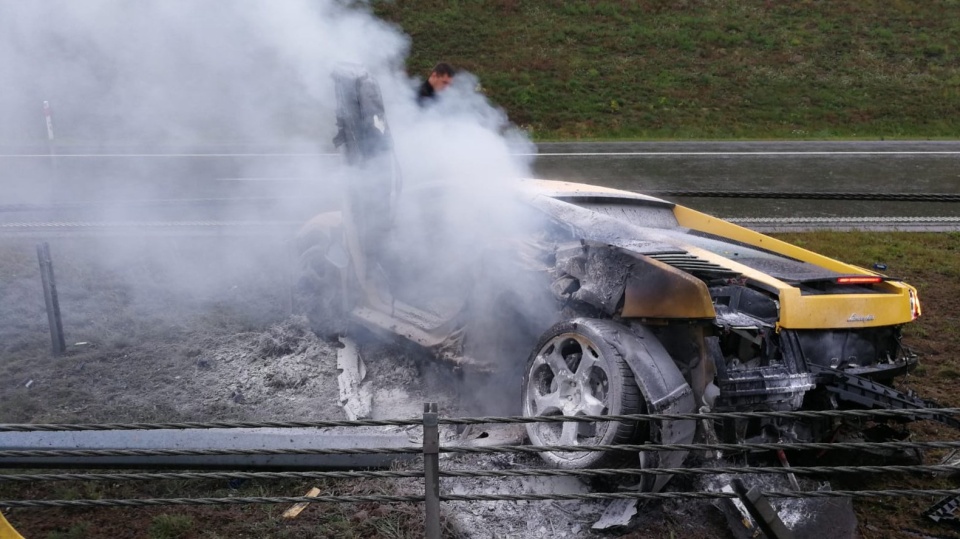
point(858, 318)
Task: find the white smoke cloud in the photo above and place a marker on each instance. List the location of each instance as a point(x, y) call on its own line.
point(194, 72)
point(160, 73)
point(183, 71)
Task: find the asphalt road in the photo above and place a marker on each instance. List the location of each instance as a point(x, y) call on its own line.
point(98, 174)
point(869, 167)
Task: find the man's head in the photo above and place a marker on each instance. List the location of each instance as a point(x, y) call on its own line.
point(441, 76)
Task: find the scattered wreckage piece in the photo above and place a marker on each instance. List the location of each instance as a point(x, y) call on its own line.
point(789, 517)
point(618, 514)
point(294, 510)
point(356, 395)
point(858, 390)
point(763, 513)
point(945, 511)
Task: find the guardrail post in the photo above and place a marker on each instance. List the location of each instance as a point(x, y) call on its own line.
point(51, 299)
point(431, 470)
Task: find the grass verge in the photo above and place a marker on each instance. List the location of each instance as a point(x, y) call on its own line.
point(701, 68)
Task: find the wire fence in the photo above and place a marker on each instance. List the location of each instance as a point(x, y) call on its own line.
point(431, 449)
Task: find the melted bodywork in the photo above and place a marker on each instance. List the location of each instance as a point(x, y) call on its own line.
point(706, 315)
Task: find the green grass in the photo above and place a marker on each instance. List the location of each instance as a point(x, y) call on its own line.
point(77, 531)
point(170, 527)
point(701, 68)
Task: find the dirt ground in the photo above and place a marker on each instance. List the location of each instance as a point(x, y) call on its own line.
point(198, 329)
point(194, 330)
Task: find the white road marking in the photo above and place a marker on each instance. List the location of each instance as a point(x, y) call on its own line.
point(312, 180)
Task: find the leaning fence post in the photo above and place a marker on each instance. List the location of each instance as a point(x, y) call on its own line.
point(431, 470)
point(51, 299)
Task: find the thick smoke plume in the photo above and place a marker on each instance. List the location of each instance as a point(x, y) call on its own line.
point(161, 74)
point(169, 76)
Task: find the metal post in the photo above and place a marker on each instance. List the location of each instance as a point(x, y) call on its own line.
point(51, 299)
point(762, 512)
point(431, 469)
point(48, 121)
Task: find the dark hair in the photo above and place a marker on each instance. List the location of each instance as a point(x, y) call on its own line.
point(444, 70)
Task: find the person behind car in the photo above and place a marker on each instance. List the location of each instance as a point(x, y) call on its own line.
point(439, 79)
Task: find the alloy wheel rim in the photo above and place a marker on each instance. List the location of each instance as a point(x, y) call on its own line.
point(567, 377)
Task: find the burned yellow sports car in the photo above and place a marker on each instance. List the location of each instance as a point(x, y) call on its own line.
point(606, 302)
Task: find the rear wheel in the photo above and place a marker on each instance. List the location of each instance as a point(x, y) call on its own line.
point(575, 371)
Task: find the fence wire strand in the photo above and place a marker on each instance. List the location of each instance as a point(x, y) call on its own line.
point(263, 500)
point(528, 449)
point(929, 413)
point(417, 448)
point(480, 474)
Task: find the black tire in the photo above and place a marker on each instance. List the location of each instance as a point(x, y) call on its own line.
point(320, 294)
point(558, 380)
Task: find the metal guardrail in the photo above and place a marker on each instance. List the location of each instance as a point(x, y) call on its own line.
point(524, 449)
point(208, 226)
point(27, 228)
point(431, 449)
point(483, 420)
point(476, 474)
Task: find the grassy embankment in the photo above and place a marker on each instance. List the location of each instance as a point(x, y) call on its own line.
point(702, 69)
